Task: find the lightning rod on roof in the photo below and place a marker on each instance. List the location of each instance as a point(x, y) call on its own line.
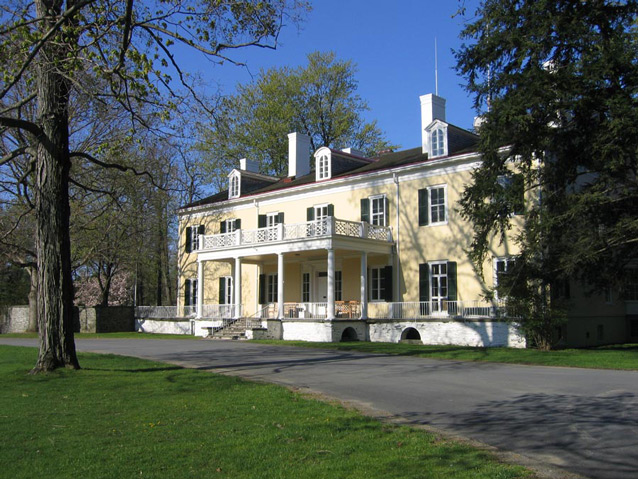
point(436, 70)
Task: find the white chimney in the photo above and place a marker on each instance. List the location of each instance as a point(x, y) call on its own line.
point(432, 108)
point(248, 165)
point(298, 154)
point(353, 151)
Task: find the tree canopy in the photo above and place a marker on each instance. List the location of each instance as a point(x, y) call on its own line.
point(556, 83)
point(319, 99)
point(122, 58)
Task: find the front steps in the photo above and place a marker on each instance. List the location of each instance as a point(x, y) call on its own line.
point(235, 330)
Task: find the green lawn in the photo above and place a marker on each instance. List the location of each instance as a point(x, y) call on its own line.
point(123, 417)
point(624, 356)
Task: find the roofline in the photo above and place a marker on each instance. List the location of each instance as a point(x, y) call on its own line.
point(333, 181)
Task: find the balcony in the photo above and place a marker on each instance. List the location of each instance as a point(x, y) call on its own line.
point(328, 227)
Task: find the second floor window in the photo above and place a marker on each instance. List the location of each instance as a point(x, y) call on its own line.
point(192, 237)
point(374, 210)
point(432, 205)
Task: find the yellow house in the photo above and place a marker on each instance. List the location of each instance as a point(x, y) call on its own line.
point(354, 248)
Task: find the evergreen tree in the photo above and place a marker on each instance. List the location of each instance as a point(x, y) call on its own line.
point(557, 84)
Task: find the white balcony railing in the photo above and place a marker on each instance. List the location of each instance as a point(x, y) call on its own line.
point(324, 227)
point(438, 309)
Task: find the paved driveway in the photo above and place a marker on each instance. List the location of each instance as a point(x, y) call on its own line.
point(583, 421)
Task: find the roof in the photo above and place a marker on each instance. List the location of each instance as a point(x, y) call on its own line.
point(460, 141)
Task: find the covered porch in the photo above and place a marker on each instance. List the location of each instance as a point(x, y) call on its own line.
point(313, 270)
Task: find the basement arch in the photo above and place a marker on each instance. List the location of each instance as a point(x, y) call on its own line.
point(349, 334)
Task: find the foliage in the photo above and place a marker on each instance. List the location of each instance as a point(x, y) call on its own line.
point(560, 83)
point(120, 60)
point(125, 417)
point(14, 285)
point(89, 291)
point(319, 99)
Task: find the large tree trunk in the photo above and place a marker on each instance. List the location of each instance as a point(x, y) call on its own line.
point(55, 305)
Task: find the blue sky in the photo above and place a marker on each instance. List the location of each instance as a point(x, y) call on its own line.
point(392, 44)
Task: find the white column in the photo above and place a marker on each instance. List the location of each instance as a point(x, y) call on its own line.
point(237, 288)
point(280, 285)
point(331, 284)
point(364, 285)
point(200, 288)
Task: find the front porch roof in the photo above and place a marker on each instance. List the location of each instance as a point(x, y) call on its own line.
point(326, 233)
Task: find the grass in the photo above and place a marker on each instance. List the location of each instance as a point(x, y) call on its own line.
point(624, 356)
point(126, 417)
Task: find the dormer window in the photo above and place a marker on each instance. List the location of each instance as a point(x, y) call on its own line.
point(437, 139)
point(323, 167)
point(438, 144)
point(233, 188)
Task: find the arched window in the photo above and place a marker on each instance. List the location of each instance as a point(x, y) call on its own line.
point(233, 190)
point(323, 168)
point(438, 142)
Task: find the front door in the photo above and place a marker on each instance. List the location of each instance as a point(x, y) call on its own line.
point(322, 293)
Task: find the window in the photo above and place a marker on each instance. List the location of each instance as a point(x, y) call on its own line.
point(192, 237)
point(433, 205)
point(272, 219)
point(380, 282)
point(271, 288)
point(438, 142)
point(226, 290)
point(338, 286)
point(374, 210)
point(437, 286)
point(503, 269)
point(305, 288)
point(190, 295)
point(631, 288)
point(233, 189)
point(513, 190)
point(228, 226)
point(323, 167)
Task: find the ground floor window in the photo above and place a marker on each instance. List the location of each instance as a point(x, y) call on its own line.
point(190, 292)
point(226, 290)
point(380, 284)
point(338, 286)
point(272, 292)
point(305, 288)
point(437, 286)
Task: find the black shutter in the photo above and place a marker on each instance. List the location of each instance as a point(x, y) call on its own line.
point(187, 292)
point(222, 290)
point(262, 289)
point(365, 210)
point(189, 239)
point(423, 207)
point(261, 221)
point(201, 229)
point(386, 211)
point(452, 293)
point(387, 283)
point(331, 210)
point(310, 214)
point(518, 193)
point(280, 218)
point(424, 282)
point(222, 227)
point(237, 224)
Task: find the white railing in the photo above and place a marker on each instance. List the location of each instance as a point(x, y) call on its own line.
point(328, 226)
point(295, 311)
point(156, 312)
point(221, 311)
point(437, 309)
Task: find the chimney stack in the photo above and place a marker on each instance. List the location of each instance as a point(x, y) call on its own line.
point(298, 154)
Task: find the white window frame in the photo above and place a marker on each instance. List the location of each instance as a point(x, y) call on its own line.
point(324, 167)
point(374, 217)
point(321, 211)
point(193, 295)
point(305, 288)
point(431, 205)
point(229, 291)
point(234, 186)
point(271, 219)
point(194, 237)
point(436, 282)
point(437, 139)
point(230, 225)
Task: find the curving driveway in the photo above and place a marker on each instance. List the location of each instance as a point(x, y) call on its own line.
point(577, 421)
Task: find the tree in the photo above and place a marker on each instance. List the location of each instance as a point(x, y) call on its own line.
point(51, 46)
point(318, 99)
point(557, 84)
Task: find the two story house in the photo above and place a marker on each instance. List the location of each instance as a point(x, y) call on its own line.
point(350, 247)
